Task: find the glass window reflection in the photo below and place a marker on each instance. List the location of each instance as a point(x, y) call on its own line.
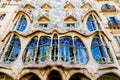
point(43, 49)
point(66, 51)
point(81, 54)
point(99, 51)
point(13, 50)
point(22, 24)
point(30, 51)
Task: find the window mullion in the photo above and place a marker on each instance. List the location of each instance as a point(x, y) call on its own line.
point(17, 23)
point(8, 44)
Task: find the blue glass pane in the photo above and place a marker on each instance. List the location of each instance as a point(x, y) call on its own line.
point(29, 55)
point(96, 42)
point(22, 24)
point(13, 49)
point(81, 56)
point(65, 53)
point(103, 53)
point(78, 43)
point(96, 53)
point(55, 41)
point(66, 41)
point(15, 52)
point(45, 40)
point(113, 20)
point(89, 25)
point(43, 51)
point(33, 43)
point(94, 26)
point(30, 52)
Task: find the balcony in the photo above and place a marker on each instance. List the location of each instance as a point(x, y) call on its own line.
point(108, 8)
point(45, 13)
point(115, 25)
point(70, 12)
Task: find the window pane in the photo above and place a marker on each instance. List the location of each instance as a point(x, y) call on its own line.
point(22, 24)
point(98, 50)
point(96, 53)
point(30, 50)
point(44, 49)
point(91, 23)
point(13, 50)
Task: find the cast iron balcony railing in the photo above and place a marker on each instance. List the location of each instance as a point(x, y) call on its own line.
point(107, 7)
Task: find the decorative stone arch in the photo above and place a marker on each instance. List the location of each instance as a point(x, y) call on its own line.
point(78, 76)
point(100, 33)
point(54, 75)
point(86, 15)
point(43, 19)
point(5, 76)
point(19, 13)
point(30, 76)
point(46, 6)
point(29, 7)
point(70, 19)
point(55, 31)
point(86, 5)
point(109, 76)
point(69, 6)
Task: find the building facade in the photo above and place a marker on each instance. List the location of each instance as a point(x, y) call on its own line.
point(59, 40)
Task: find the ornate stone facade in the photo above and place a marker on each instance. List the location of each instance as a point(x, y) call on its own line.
point(59, 40)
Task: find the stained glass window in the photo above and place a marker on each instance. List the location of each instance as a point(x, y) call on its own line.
point(91, 23)
point(30, 51)
point(81, 54)
point(99, 51)
point(66, 49)
point(22, 24)
point(43, 49)
point(13, 50)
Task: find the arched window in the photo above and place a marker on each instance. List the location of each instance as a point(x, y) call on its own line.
point(66, 49)
point(99, 50)
point(13, 50)
point(43, 49)
point(30, 51)
point(91, 25)
point(55, 48)
point(81, 54)
point(22, 23)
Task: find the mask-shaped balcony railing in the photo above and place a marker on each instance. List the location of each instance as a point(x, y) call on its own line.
point(70, 13)
point(45, 13)
point(115, 24)
point(110, 8)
